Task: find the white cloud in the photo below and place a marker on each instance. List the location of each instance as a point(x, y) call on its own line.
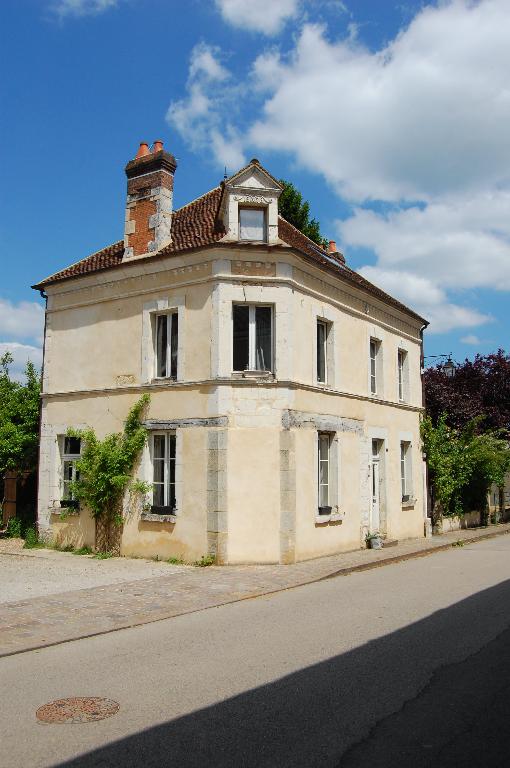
point(425, 115)
point(265, 16)
point(204, 61)
point(199, 117)
point(21, 353)
point(471, 339)
point(21, 321)
point(462, 243)
point(426, 298)
point(79, 8)
point(420, 125)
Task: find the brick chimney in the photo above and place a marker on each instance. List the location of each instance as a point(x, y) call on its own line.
point(150, 183)
point(335, 253)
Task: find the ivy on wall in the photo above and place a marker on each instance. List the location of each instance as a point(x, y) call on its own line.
point(105, 467)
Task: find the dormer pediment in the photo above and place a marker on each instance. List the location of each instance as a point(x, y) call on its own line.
point(253, 176)
point(252, 187)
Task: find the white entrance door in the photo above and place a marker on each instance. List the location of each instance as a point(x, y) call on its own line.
point(376, 486)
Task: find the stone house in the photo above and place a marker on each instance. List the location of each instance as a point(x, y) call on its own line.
point(285, 388)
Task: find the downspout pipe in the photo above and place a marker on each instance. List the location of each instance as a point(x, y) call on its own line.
point(428, 517)
point(44, 296)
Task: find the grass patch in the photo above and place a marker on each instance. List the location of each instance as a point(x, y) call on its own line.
point(103, 555)
point(458, 543)
point(205, 561)
point(82, 551)
point(32, 540)
point(175, 561)
point(14, 528)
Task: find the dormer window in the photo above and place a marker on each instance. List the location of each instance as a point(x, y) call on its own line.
point(252, 224)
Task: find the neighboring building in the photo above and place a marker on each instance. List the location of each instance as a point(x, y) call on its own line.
point(285, 388)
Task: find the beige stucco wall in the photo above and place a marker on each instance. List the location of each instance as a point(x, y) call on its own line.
point(253, 495)
point(254, 507)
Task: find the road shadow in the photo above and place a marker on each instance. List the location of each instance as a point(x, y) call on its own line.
point(379, 705)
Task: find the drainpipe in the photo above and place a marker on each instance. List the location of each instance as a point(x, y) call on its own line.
point(45, 297)
point(428, 517)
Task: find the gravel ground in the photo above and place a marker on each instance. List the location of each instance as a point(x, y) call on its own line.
point(41, 572)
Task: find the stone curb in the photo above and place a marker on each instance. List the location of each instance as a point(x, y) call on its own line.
point(340, 572)
point(409, 555)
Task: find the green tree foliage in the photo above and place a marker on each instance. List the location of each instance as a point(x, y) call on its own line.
point(449, 467)
point(296, 211)
point(463, 464)
point(478, 387)
point(19, 418)
point(105, 466)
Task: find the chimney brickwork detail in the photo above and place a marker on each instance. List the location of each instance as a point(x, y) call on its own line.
point(148, 226)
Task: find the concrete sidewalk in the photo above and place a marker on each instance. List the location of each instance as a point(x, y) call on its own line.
point(45, 621)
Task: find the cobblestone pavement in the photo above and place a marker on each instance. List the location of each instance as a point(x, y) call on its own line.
point(30, 573)
point(44, 621)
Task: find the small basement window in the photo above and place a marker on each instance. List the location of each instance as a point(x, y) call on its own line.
point(252, 224)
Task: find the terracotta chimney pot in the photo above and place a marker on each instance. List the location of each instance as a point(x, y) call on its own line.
point(143, 150)
point(157, 146)
point(332, 247)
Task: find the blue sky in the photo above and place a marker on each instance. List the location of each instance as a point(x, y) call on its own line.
point(391, 118)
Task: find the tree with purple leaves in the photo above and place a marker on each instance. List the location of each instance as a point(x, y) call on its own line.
point(466, 432)
point(479, 388)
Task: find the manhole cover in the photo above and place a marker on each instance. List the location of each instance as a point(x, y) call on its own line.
point(79, 709)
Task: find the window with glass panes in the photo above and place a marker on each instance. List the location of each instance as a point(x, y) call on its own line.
point(322, 338)
point(374, 349)
point(252, 224)
point(71, 449)
point(405, 470)
point(402, 363)
point(163, 466)
point(252, 338)
point(167, 331)
point(323, 469)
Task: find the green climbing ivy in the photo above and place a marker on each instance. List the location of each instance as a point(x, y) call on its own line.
point(105, 467)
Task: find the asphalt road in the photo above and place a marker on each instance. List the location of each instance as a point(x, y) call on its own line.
point(405, 665)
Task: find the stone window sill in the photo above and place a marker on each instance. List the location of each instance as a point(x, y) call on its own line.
point(151, 518)
point(409, 504)
point(326, 519)
point(164, 380)
point(327, 385)
point(253, 375)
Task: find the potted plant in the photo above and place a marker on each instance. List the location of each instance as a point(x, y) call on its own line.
point(324, 510)
point(374, 540)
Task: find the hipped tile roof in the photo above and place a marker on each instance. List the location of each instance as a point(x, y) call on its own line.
point(197, 225)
